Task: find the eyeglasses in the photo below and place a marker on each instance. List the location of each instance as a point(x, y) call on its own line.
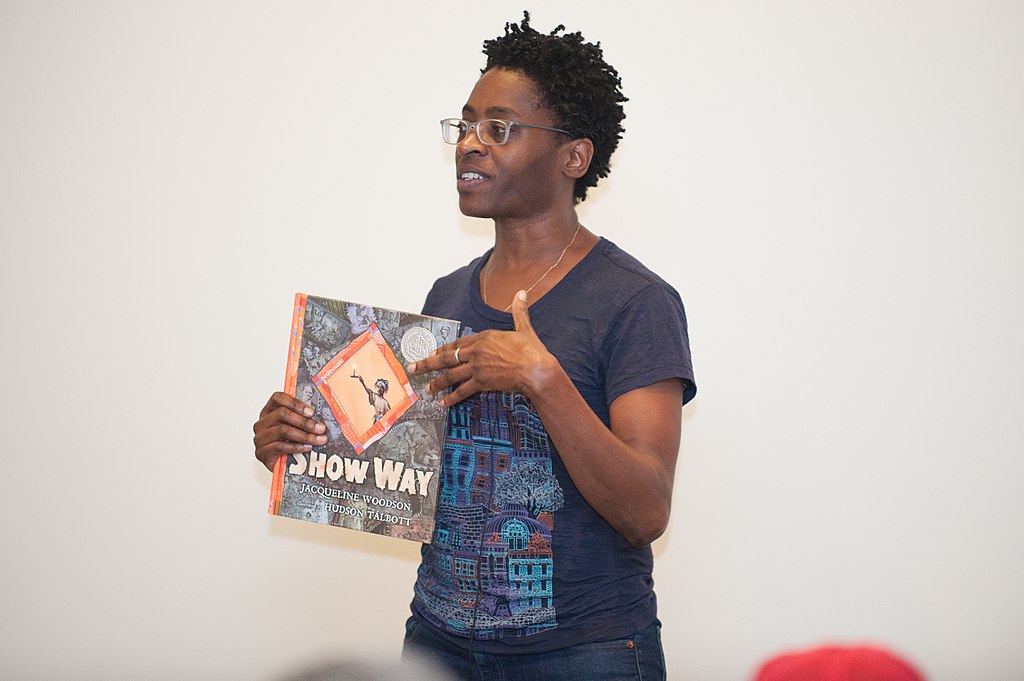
point(491, 131)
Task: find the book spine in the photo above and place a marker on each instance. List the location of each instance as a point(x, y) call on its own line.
point(290, 379)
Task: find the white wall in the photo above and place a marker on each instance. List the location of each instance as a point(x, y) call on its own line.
point(836, 188)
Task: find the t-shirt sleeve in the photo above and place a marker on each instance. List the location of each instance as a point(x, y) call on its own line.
point(428, 304)
point(648, 342)
point(431, 306)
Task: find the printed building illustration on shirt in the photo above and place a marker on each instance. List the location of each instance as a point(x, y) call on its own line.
point(492, 538)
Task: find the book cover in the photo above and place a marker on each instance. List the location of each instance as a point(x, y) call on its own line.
point(379, 471)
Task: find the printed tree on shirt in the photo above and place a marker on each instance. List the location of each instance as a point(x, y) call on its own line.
point(531, 485)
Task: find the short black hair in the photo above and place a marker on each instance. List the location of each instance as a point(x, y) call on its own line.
point(575, 83)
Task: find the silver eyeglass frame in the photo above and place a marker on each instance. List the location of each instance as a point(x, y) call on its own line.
point(447, 123)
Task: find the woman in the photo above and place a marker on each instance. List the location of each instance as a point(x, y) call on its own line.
point(565, 391)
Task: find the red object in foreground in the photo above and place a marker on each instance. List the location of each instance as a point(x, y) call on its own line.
point(837, 663)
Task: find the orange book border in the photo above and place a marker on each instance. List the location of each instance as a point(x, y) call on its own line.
point(290, 379)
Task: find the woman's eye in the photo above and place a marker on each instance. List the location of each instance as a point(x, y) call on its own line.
point(497, 129)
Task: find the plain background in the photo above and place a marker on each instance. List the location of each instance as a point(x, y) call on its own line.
point(835, 188)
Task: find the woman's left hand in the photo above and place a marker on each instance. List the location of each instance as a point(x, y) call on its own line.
point(514, 361)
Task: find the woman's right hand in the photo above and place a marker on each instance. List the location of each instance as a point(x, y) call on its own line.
point(286, 426)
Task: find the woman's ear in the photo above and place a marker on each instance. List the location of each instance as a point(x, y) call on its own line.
point(581, 151)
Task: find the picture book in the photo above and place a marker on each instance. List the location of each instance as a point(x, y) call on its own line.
point(379, 471)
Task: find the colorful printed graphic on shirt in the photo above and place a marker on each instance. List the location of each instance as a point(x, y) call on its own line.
point(490, 567)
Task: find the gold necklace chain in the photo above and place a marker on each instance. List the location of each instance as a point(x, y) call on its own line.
point(487, 268)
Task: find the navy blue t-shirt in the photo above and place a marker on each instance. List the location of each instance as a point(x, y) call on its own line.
point(519, 560)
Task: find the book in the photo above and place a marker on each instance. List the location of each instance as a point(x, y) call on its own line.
point(380, 469)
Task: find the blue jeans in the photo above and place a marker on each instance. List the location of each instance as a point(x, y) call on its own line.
point(637, 658)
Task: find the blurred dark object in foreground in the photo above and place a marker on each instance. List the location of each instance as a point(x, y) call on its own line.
point(411, 669)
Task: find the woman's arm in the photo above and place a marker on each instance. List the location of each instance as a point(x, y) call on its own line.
point(624, 472)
